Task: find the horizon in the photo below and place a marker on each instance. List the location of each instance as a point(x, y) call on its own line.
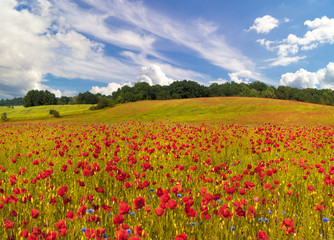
point(67, 47)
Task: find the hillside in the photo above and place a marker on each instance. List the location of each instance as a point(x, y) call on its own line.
point(222, 110)
point(214, 109)
point(19, 113)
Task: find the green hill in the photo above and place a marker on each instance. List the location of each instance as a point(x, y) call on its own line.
point(221, 110)
point(42, 112)
point(215, 109)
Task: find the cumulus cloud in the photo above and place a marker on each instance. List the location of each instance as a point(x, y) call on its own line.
point(36, 41)
point(323, 78)
point(322, 32)
point(153, 75)
point(108, 90)
point(242, 76)
point(300, 79)
point(264, 24)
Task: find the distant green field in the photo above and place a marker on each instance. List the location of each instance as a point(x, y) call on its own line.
point(221, 110)
point(19, 113)
point(215, 110)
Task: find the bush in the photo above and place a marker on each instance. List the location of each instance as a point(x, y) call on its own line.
point(103, 103)
point(4, 116)
point(55, 113)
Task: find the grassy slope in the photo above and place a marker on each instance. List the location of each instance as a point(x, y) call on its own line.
point(42, 112)
point(216, 110)
point(222, 110)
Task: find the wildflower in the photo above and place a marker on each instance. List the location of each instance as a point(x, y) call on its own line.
point(179, 195)
point(34, 213)
point(89, 210)
point(84, 229)
point(325, 219)
point(193, 224)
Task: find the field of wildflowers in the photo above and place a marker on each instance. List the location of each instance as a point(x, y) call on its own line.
point(159, 180)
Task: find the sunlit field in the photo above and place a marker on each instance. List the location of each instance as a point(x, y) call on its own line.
point(19, 113)
point(159, 180)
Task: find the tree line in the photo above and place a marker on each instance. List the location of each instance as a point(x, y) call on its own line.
point(176, 90)
point(191, 89)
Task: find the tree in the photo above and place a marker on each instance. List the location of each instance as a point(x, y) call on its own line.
point(38, 98)
point(86, 98)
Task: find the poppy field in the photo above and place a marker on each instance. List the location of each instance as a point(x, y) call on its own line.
point(162, 180)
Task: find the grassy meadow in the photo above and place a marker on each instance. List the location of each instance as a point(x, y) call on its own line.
point(222, 110)
point(215, 168)
point(19, 113)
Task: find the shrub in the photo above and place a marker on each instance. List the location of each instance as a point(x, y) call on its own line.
point(4, 116)
point(55, 113)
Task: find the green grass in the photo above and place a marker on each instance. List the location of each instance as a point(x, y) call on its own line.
point(42, 112)
point(216, 110)
point(222, 110)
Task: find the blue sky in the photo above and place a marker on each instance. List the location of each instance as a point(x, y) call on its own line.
point(68, 47)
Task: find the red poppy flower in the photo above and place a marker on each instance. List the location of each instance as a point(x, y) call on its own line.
point(181, 236)
point(139, 202)
point(159, 211)
point(118, 219)
point(34, 213)
point(123, 207)
point(262, 235)
point(8, 224)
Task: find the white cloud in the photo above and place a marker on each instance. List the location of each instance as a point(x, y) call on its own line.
point(326, 76)
point(285, 61)
point(219, 81)
point(35, 42)
point(323, 78)
point(108, 90)
point(153, 75)
point(242, 76)
point(300, 79)
point(264, 24)
point(200, 35)
point(322, 32)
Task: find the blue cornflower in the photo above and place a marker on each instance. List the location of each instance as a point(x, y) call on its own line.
point(276, 154)
point(152, 190)
point(128, 230)
point(179, 195)
point(296, 215)
point(260, 220)
point(266, 220)
point(193, 224)
point(255, 200)
point(270, 212)
point(219, 201)
point(84, 229)
point(89, 210)
point(233, 227)
point(283, 212)
point(325, 219)
point(131, 213)
point(105, 236)
point(110, 214)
